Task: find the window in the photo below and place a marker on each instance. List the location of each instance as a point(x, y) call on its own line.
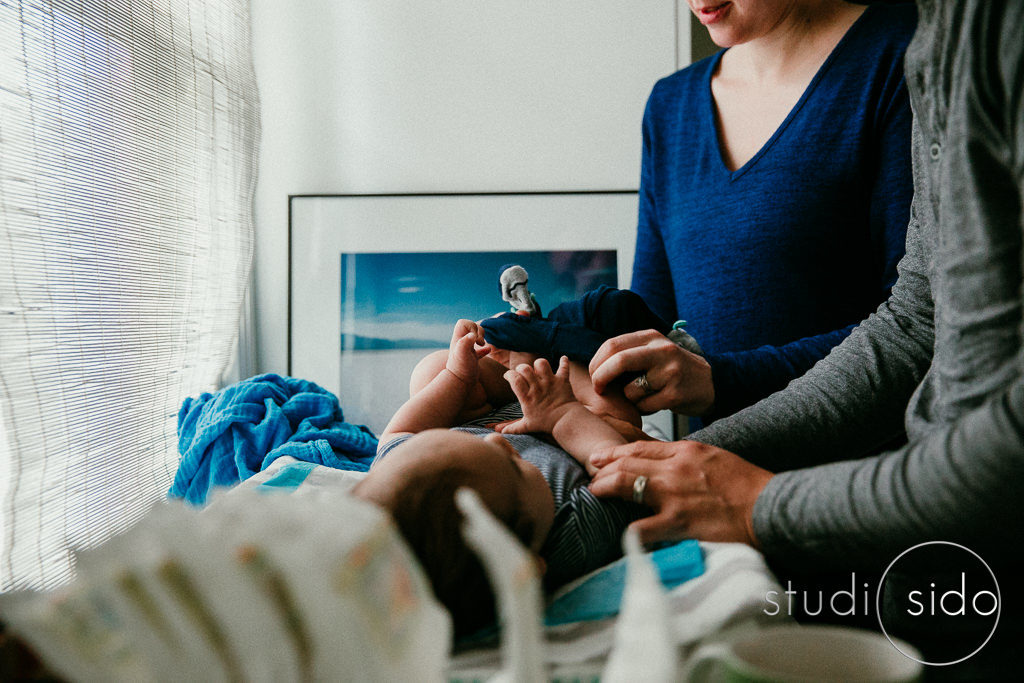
point(128, 140)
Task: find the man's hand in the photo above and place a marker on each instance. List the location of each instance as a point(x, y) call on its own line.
point(696, 490)
point(676, 379)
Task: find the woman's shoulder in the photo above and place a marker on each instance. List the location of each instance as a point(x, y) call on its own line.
point(873, 48)
point(890, 22)
point(687, 84)
point(694, 75)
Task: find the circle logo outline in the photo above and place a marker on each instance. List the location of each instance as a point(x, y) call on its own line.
point(878, 603)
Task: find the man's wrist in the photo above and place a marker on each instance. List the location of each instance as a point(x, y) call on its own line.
point(759, 487)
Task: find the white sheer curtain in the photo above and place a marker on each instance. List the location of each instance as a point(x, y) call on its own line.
point(128, 140)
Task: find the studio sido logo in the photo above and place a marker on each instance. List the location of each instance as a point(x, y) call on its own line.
point(940, 587)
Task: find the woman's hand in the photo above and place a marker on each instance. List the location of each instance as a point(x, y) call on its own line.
point(676, 379)
point(696, 490)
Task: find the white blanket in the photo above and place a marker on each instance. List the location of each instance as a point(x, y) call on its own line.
point(730, 595)
point(317, 585)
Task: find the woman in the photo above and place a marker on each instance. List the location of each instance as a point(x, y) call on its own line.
point(774, 199)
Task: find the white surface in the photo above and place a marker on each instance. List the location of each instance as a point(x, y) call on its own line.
point(644, 647)
point(456, 96)
point(515, 579)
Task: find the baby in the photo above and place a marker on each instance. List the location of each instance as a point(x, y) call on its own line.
point(447, 435)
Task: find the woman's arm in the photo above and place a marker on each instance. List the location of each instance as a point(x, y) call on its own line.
point(652, 277)
point(852, 402)
point(743, 378)
point(721, 384)
point(848, 404)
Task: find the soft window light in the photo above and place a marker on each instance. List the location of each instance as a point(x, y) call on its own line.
point(128, 140)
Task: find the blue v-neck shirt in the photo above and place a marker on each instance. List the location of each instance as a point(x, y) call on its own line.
point(774, 263)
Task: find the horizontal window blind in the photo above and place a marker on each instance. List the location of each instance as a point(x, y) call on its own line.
point(128, 141)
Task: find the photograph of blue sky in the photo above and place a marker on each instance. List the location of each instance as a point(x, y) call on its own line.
point(412, 300)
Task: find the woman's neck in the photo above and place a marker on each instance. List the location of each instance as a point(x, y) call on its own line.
point(801, 38)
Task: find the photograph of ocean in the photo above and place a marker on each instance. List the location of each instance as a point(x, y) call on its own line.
point(398, 307)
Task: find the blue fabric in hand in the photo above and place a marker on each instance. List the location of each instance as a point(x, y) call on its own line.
point(228, 436)
point(575, 328)
point(546, 338)
point(600, 595)
point(610, 312)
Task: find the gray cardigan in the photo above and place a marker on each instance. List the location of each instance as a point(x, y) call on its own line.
point(943, 353)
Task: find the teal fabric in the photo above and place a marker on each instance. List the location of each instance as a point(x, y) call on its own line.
point(288, 478)
point(600, 595)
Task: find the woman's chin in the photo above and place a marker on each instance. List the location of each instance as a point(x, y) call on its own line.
point(723, 37)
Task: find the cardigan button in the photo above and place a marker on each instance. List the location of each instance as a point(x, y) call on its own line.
point(935, 151)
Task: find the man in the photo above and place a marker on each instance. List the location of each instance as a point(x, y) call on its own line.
point(942, 357)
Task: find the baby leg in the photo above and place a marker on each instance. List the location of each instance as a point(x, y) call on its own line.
point(491, 378)
point(426, 370)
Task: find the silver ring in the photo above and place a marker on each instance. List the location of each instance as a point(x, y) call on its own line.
point(639, 486)
point(643, 385)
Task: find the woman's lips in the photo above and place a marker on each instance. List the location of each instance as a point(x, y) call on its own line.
point(711, 14)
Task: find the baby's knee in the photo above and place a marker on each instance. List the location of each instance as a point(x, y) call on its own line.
point(426, 370)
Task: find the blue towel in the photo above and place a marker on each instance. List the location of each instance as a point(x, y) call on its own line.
point(228, 436)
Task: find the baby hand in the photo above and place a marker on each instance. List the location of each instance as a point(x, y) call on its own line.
point(545, 396)
point(465, 350)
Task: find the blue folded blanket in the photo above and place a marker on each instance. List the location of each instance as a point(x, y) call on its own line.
point(230, 435)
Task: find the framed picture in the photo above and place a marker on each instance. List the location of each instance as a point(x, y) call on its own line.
point(376, 282)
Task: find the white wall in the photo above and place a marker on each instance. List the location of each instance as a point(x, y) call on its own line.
point(445, 96)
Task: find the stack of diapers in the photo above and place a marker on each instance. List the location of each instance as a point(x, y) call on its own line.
point(257, 588)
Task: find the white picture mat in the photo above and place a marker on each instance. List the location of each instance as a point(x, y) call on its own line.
point(323, 227)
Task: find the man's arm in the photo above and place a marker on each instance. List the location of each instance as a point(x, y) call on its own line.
point(960, 483)
point(961, 480)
